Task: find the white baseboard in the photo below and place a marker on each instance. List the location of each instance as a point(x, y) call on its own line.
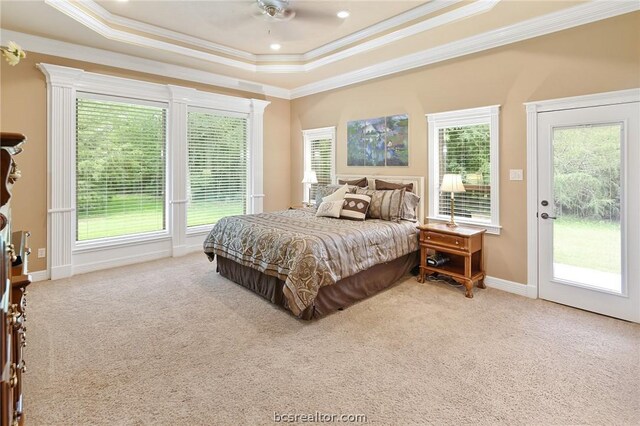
point(512, 287)
point(62, 271)
point(186, 249)
point(39, 276)
point(122, 261)
point(113, 263)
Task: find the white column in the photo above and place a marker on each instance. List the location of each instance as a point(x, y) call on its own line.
point(61, 136)
point(256, 129)
point(177, 167)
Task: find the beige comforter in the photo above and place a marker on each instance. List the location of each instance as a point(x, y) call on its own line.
point(308, 252)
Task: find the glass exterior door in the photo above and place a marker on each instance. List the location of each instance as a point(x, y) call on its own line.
point(588, 208)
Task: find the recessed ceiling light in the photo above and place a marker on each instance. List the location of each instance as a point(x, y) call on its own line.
point(343, 14)
point(275, 46)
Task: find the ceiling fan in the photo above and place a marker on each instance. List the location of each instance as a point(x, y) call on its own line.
point(277, 10)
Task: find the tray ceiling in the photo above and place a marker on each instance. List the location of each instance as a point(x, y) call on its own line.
point(222, 43)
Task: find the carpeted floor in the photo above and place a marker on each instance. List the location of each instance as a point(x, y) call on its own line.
point(172, 343)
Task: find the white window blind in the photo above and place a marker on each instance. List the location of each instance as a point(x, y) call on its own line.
point(319, 157)
point(465, 143)
point(217, 182)
point(120, 168)
point(465, 150)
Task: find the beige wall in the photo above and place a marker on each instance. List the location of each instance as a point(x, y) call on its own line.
point(603, 56)
point(599, 57)
point(23, 110)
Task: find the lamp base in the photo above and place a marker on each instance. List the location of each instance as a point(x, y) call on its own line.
point(452, 223)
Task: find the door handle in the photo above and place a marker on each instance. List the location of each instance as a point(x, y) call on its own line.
point(546, 216)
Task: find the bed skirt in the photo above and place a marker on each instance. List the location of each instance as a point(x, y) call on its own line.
point(330, 298)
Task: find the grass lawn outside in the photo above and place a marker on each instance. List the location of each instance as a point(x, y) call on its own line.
point(587, 244)
point(125, 215)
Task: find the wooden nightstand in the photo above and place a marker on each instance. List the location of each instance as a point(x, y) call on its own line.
point(463, 247)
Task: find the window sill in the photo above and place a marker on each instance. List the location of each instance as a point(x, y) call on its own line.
point(201, 229)
point(491, 228)
point(110, 243)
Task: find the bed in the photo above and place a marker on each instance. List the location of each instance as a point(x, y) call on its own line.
point(310, 265)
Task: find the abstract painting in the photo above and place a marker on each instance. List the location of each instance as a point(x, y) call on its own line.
point(380, 141)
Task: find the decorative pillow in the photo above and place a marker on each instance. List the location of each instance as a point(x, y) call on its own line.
point(330, 209)
point(385, 205)
point(409, 206)
point(324, 190)
point(338, 194)
point(355, 206)
point(381, 184)
point(362, 183)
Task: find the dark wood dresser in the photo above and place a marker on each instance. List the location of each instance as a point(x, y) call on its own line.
point(14, 278)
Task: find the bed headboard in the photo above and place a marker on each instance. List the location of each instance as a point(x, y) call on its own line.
point(417, 181)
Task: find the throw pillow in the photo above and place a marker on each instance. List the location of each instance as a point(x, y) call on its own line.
point(355, 206)
point(324, 190)
point(330, 209)
point(381, 184)
point(386, 204)
point(338, 194)
point(410, 204)
point(362, 183)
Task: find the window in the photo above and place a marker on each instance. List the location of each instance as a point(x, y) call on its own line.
point(466, 143)
point(319, 157)
point(127, 165)
point(120, 167)
point(218, 166)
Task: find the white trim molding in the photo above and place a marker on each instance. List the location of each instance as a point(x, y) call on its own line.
point(533, 108)
point(32, 43)
point(39, 276)
point(581, 14)
point(482, 115)
point(311, 135)
point(117, 28)
point(512, 287)
point(64, 85)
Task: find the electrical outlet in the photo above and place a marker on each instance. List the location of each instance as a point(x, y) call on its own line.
point(515, 174)
point(42, 252)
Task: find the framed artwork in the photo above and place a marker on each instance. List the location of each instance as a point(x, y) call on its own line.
point(378, 142)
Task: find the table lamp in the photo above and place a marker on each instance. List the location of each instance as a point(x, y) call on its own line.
point(452, 184)
point(309, 178)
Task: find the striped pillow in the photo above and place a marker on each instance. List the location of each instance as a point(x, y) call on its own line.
point(385, 205)
point(355, 206)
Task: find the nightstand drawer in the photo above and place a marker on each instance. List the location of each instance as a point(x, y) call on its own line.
point(446, 240)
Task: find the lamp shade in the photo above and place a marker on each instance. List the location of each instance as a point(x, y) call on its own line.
point(452, 183)
point(310, 177)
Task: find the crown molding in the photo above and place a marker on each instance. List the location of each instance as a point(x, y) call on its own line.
point(557, 21)
point(408, 16)
point(585, 101)
point(119, 60)
point(401, 19)
point(98, 19)
point(132, 24)
point(75, 12)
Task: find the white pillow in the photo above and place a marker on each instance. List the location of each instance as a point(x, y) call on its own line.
point(330, 208)
point(338, 195)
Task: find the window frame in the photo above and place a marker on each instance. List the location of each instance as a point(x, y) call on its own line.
point(66, 257)
point(127, 238)
point(199, 229)
point(473, 116)
point(311, 135)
